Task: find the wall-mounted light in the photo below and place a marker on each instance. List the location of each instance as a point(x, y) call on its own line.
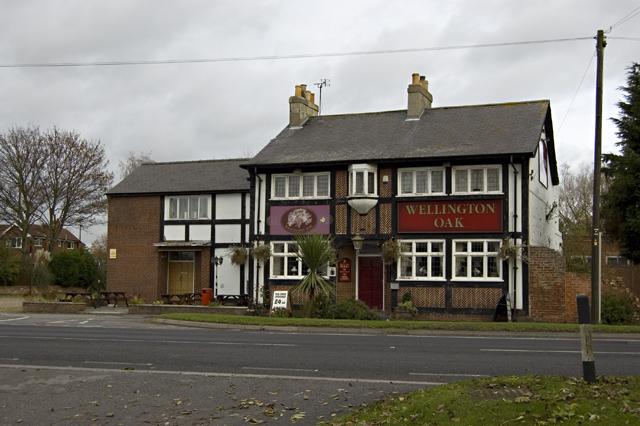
point(297, 171)
point(357, 241)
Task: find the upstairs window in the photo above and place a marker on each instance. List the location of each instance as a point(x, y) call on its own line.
point(300, 186)
point(71, 245)
point(476, 259)
point(190, 207)
point(424, 181)
point(477, 180)
point(37, 242)
point(363, 180)
point(15, 242)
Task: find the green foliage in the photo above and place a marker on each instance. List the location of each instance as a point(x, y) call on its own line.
point(315, 251)
point(136, 300)
point(406, 297)
point(74, 268)
point(617, 309)
point(620, 203)
point(11, 266)
point(527, 400)
point(353, 309)
point(408, 307)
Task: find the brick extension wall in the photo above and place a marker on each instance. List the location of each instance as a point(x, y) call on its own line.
point(547, 299)
point(134, 226)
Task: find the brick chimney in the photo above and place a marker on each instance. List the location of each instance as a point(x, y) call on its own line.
point(419, 97)
point(301, 106)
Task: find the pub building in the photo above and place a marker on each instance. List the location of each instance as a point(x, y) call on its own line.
point(451, 205)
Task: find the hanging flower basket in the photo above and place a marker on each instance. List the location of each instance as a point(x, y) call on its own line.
point(238, 255)
point(510, 251)
point(390, 251)
point(262, 252)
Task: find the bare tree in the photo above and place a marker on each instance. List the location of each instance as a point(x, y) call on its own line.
point(74, 181)
point(99, 246)
point(132, 162)
point(22, 155)
point(576, 200)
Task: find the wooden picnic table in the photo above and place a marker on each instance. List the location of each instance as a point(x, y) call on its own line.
point(70, 295)
point(182, 299)
point(114, 296)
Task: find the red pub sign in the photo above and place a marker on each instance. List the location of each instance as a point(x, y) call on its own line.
point(450, 216)
point(344, 270)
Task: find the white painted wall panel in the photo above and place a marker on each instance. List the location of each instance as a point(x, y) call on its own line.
point(228, 234)
point(199, 232)
point(174, 232)
point(229, 206)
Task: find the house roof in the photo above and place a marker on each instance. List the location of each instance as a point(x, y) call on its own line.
point(448, 132)
point(184, 177)
point(37, 231)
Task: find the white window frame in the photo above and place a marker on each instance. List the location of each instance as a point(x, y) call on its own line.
point(475, 191)
point(172, 212)
point(290, 252)
point(408, 254)
point(467, 255)
point(617, 265)
point(289, 191)
point(14, 242)
point(369, 180)
point(70, 245)
point(37, 242)
point(429, 186)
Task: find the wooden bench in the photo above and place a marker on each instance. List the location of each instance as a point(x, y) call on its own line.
point(233, 299)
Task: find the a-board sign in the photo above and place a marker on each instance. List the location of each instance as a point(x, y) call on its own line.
point(281, 300)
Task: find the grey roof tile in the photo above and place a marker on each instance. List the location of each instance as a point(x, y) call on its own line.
point(184, 177)
point(480, 130)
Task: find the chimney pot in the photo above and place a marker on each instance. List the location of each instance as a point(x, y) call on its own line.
point(298, 90)
point(419, 97)
point(301, 106)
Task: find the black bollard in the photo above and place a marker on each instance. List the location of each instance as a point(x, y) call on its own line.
point(588, 362)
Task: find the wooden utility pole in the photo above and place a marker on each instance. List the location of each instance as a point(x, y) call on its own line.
point(596, 258)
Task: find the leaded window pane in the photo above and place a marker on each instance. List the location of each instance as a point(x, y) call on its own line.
point(405, 267)
point(371, 186)
point(294, 186)
point(436, 267)
point(422, 266)
point(461, 266)
point(281, 186)
point(278, 265)
point(422, 247)
point(493, 246)
point(421, 182)
point(437, 247)
point(278, 247)
point(308, 186)
point(292, 266)
point(493, 179)
point(406, 182)
point(461, 181)
point(359, 182)
point(477, 246)
point(461, 247)
point(437, 181)
point(492, 266)
point(323, 186)
point(477, 266)
point(477, 180)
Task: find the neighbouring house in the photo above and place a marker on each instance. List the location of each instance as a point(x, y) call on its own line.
point(468, 194)
point(37, 239)
point(171, 223)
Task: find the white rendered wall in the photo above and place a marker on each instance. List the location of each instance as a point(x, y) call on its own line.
point(228, 206)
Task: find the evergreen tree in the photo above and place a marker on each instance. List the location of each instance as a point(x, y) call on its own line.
point(622, 200)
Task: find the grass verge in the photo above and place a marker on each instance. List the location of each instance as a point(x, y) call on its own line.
point(530, 400)
point(397, 325)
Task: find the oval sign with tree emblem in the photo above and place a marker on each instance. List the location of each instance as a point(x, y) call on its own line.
point(299, 220)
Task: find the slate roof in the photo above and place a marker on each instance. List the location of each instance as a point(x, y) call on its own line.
point(448, 132)
point(185, 177)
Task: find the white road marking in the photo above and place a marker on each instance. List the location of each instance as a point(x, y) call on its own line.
point(15, 319)
point(205, 374)
point(556, 352)
point(9, 359)
point(278, 369)
point(117, 363)
point(448, 375)
point(199, 342)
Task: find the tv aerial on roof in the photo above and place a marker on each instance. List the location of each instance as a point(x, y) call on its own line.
point(323, 82)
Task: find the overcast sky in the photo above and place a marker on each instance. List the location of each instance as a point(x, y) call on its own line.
point(230, 109)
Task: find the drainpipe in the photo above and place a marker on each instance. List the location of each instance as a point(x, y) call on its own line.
point(259, 194)
point(515, 229)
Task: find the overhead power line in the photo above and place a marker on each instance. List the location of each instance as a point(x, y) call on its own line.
point(300, 56)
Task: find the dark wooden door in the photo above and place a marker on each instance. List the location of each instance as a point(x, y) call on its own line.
point(370, 281)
